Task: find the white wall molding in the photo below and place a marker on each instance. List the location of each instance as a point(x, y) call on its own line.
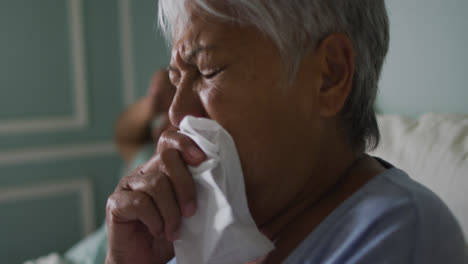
point(83, 187)
point(79, 62)
point(79, 119)
point(22, 156)
point(126, 51)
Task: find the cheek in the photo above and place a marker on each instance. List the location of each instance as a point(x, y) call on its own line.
point(223, 100)
point(221, 107)
point(233, 109)
point(244, 106)
point(213, 99)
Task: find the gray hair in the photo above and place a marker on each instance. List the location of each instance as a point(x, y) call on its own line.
point(296, 27)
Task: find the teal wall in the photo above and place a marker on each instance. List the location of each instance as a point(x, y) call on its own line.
point(150, 50)
point(62, 86)
point(65, 76)
point(36, 45)
point(427, 62)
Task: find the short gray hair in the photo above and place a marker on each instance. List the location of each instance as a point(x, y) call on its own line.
point(296, 27)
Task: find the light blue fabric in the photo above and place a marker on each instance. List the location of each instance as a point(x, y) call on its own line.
point(91, 250)
point(392, 219)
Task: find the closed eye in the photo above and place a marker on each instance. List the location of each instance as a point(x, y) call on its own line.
point(212, 74)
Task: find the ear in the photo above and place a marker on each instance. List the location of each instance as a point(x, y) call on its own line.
point(337, 70)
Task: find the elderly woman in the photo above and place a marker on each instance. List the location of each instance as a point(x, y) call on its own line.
point(294, 83)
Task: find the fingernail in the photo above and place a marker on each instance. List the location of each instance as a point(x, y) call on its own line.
point(190, 209)
point(196, 153)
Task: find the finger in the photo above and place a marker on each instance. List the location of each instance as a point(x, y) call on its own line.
point(182, 181)
point(190, 151)
point(159, 188)
point(128, 206)
point(170, 212)
point(170, 163)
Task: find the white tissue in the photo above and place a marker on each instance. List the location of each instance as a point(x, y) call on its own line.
point(222, 230)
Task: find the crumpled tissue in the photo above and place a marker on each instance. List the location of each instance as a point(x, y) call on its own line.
point(222, 230)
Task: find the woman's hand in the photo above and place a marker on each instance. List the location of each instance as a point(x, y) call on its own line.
point(144, 213)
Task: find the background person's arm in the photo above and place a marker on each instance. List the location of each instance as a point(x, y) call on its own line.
point(132, 130)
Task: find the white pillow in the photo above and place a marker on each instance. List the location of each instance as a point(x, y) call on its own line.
point(433, 150)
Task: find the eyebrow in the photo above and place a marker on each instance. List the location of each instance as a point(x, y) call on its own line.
point(192, 54)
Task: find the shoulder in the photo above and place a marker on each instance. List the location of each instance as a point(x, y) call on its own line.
point(438, 236)
point(392, 219)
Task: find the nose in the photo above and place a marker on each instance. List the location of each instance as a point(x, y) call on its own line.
point(186, 102)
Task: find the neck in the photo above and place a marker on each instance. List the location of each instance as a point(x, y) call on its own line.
point(317, 200)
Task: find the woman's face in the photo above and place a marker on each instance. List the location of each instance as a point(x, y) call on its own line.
point(235, 75)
